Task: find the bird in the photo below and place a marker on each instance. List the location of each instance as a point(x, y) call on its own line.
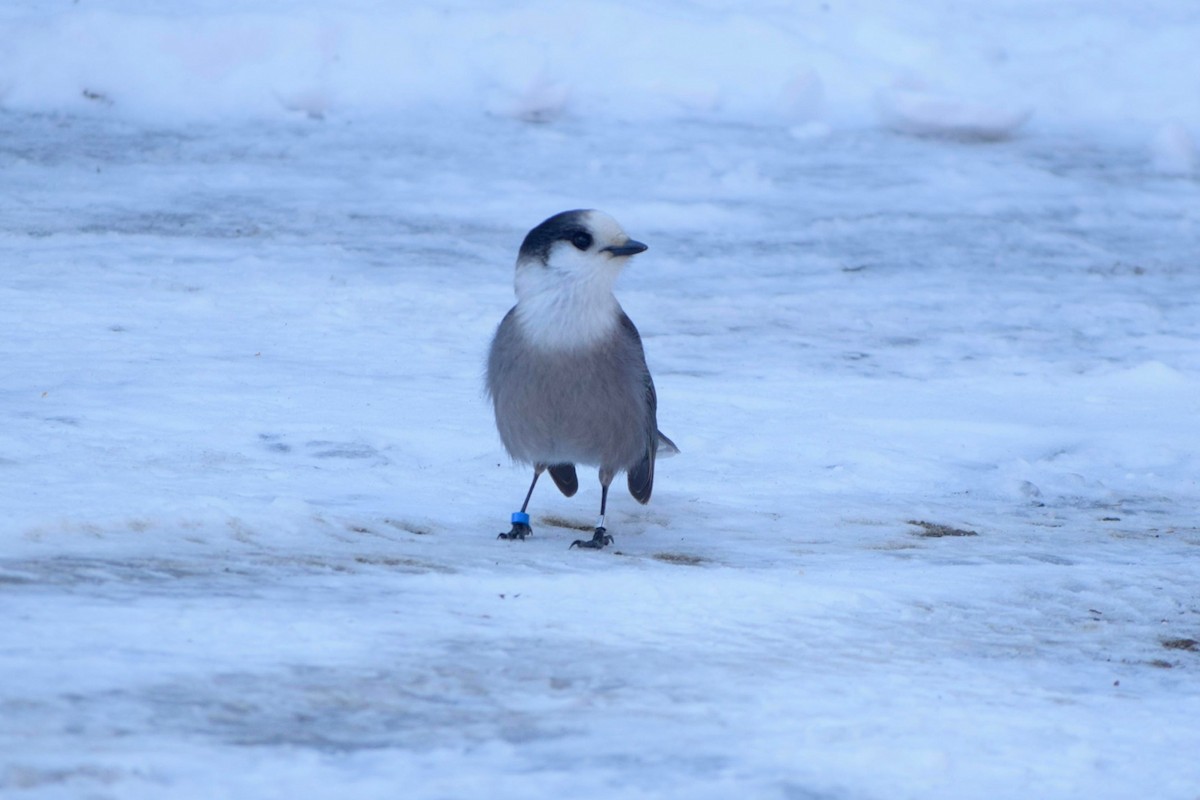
point(566, 371)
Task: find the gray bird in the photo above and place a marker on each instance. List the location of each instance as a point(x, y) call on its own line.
point(566, 373)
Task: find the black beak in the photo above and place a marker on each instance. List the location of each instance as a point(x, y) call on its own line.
point(630, 248)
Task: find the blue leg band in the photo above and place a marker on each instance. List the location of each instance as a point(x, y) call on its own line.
point(520, 518)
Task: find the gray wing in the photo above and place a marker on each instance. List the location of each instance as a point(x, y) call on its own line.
point(641, 474)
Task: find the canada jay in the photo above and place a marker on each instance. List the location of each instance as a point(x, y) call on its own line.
point(566, 372)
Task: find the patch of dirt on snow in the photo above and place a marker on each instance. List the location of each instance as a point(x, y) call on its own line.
point(403, 564)
point(563, 522)
point(933, 530)
point(678, 558)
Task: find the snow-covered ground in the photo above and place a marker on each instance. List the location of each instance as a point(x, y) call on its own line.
point(249, 267)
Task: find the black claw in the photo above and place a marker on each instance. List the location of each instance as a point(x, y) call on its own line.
point(597, 542)
point(520, 530)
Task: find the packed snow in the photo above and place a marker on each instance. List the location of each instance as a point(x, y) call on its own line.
point(922, 303)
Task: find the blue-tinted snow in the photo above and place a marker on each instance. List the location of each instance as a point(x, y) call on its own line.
point(251, 485)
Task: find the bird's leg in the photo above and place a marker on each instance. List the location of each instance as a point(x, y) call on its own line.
point(520, 520)
point(603, 503)
point(601, 537)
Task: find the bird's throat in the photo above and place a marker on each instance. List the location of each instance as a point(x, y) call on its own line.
point(569, 316)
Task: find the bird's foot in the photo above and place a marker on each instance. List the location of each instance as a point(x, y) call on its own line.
point(597, 542)
point(519, 531)
point(520, 527)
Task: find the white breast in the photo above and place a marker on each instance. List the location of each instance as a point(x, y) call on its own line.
point(566, 309)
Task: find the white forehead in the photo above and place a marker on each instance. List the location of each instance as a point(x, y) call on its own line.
point(604, 228)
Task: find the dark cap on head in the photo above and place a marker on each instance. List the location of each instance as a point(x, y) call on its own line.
point(567, 226)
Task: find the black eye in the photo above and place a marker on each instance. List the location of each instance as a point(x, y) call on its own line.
point(582, 240)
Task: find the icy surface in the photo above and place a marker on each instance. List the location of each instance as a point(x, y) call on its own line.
point(934, 528)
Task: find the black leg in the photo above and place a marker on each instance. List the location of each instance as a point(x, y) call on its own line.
point(537, 473)
point(520, 520)
point(600, 538)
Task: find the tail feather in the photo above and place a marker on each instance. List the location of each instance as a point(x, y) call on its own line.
point(641, 479)
point(565, 478)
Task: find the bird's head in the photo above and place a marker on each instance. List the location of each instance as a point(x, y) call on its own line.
point(574, 247)
point(565, 275)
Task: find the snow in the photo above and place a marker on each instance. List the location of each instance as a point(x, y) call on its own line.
point(933, 529)
point(921, 113)
point(1173, 151)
